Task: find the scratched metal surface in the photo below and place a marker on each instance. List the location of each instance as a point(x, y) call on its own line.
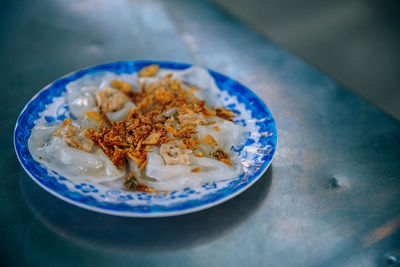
point(330, 198)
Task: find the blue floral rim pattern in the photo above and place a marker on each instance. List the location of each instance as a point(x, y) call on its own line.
point(188, 201)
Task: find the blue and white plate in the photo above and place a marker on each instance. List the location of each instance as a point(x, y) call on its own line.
point(50, 105)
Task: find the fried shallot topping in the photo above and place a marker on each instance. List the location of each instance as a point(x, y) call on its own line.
point(166, 114)
point(122, 86)
point(221, 155)
point(225, 113)
point(149, 71)
point(74, 136)
point(195, 170)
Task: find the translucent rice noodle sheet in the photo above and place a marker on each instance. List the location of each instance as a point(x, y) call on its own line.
point(75, 164)
point(227, 136)
point(121, 114)
point(81, 94)
point(200, 78)
point(176, 177)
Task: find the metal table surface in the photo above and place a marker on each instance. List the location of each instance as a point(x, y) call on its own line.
point(330, 198)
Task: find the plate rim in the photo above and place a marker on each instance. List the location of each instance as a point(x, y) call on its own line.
point(140, 214)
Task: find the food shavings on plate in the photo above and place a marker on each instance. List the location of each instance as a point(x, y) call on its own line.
point(154, 130)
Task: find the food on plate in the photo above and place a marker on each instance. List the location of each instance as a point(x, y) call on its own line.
point(152, 131)
point(66, 149)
